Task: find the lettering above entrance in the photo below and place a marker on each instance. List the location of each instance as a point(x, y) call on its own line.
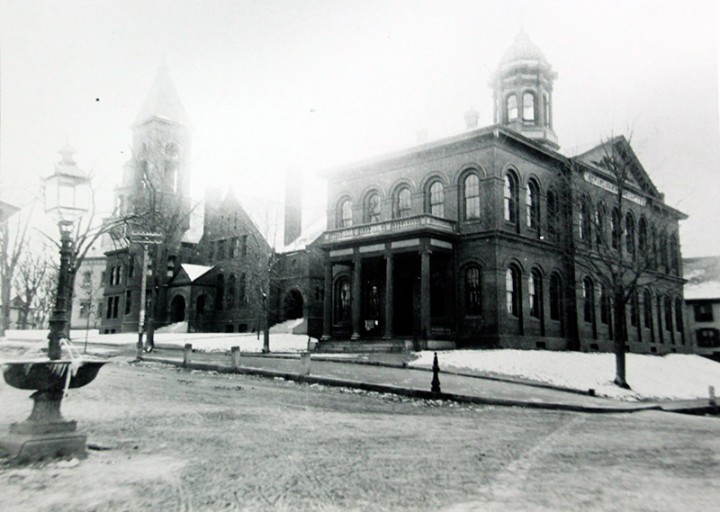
point(418, 223)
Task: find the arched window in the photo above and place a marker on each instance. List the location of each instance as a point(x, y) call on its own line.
point(678, 315)
point(600, 225)
point(630, 234)
point(471, 194)
point(642, 240)
point(604, 304)
point(342, 301)
point(511, 197)
point(512, 290)
point(402, 207)
point(473, 304)
point(663, 248)
point(555, 297)
point(585, 221)
point(372, 207)
point(436, 202)
point(647, 309)
point(654, 249)
point(230, 295)
point(532, 204)
point(512, 107)
point(588, 299)
point(674, 255)
point(667, 305)
point(345, 213)
point(535, 293)
point(615, 228)
point(552, 213)
point(529, 107)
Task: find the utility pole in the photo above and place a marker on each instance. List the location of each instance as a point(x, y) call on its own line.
point(145, 239)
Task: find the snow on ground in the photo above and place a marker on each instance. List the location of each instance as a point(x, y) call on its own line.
point(204, 342)
point(672, 377)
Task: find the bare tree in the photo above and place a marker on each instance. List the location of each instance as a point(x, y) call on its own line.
point(30, 276)
point(612, 246)
point(11, 250)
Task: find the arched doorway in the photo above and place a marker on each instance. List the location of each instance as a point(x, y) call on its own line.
point(177, 309)
point(293, 305)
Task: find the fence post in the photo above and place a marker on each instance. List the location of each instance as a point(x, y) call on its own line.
point(187, 354)
point(235, 356)
point(305, 363)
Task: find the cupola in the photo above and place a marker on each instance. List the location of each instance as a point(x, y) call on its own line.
point(522, 92)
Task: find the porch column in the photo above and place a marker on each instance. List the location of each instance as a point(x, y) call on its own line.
point(425, 320)
point(389, 296)
point(356, 298)
point(327, 302)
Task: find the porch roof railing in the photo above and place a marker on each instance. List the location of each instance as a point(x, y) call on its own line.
point(417, 223)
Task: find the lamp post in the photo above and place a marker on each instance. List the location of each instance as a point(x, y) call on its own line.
point(45, 433)
point(67, 198)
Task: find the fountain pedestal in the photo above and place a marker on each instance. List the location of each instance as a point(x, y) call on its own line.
point(45, 433)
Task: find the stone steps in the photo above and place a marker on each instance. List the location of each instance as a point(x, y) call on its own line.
point(334, 346)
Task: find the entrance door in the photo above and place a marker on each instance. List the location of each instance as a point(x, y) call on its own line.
point(406, 298)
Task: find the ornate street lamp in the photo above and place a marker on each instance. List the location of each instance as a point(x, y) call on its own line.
point(45, 433)
point(67, 198)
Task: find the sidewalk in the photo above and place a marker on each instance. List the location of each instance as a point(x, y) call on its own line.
point(386, 373)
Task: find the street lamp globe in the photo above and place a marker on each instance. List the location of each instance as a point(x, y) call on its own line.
point(67, 191)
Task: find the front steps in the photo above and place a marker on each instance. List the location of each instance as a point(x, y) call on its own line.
point(387, 346)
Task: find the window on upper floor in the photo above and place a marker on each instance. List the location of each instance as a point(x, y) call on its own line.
point(345, 211)
point(663, 249)
point(642, 240)
point(510, 195)
point(436, 201)
point(703, 312)
point(532, 205)
point(402, 205)
point(471, 197)
point(512, 107)
point(674, 255)
point(529, 107)
point(87, 279)
point(707, 338)
point(552, 214)
point(630, 234)
point(372, 207)
point(615, 228)
point(600, 225)
point(585, 221)
point(221, 250)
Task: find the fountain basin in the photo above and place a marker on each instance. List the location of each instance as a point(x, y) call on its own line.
point(46, 375)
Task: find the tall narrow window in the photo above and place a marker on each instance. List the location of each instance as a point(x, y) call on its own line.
point(529, 107)
point(674, 255)
point(654, 249)
point(402, 203)
point(630, 234)
point(242, 290)
point(588, 299)
point(230, 296)
point(510, 198)
point(512, 107)
point(532, 205)
point(345, 213)
point(600, 225)
point(535, 294)
point(647, 309)
point(437, 203)
point(473, 304)
point(667, 305)
point(512, 291)
point(372, 208)
point(663, 249)
point(634, 310)
point(604, 304)
point(471, 194)
point(219, 291)
point(678, 315)
point(555, 297)
point(221, 250)
point(128, 301)
point(552, 214)
point(642, 241)
point(585, 221)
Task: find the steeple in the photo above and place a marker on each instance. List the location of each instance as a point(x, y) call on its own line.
point(163, 101)
point(522, 91)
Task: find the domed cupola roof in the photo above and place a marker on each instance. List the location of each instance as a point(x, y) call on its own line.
point(521, 51)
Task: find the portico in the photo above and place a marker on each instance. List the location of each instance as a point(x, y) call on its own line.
point(390, 280)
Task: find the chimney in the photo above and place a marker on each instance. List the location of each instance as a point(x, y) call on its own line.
point(472, 117)
point(293, 206)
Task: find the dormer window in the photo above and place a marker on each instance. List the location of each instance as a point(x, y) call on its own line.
point(512, 108)
point(529, 107)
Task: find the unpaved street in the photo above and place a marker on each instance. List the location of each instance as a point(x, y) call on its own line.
point(179, 440)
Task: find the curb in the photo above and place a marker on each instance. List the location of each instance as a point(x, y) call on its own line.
point(397, 390)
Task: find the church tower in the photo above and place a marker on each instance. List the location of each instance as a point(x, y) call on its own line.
point(158, 170)
point(522, 91)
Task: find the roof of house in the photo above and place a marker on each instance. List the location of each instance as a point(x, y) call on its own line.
point(703, 278)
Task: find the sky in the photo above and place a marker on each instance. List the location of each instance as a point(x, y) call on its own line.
point(301, 86)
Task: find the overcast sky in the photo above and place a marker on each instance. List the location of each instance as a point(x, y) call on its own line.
point(299, 86)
